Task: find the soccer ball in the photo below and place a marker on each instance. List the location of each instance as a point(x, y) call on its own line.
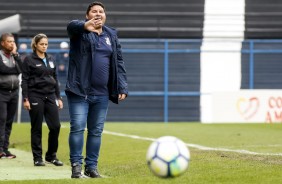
point(168, 156)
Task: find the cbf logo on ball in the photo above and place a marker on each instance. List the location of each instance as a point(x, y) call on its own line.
point(168, 156)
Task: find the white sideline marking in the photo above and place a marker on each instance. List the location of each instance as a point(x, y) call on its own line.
point(256, 146)
point(200, 147)
point(195, 145)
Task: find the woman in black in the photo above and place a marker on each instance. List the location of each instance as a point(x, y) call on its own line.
point(42, 99)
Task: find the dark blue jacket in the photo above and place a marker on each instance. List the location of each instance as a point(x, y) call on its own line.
point(81, 54)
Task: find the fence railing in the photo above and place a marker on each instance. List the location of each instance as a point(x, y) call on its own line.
point(166, 47)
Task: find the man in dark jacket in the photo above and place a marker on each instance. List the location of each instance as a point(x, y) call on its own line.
point(10, 68)
point(96, 75)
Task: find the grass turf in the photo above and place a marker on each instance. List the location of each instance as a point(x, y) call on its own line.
point(122, 159)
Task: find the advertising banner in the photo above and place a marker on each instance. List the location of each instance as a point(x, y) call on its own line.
point(247, 106)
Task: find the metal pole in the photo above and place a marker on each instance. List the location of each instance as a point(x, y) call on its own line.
point(251, 66)
point(166, 83)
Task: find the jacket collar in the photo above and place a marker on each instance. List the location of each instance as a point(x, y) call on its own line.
point(34, 55)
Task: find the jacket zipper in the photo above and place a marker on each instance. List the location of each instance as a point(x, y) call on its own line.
point(12, 83)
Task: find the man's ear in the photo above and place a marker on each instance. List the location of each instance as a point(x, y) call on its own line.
point(86, 16)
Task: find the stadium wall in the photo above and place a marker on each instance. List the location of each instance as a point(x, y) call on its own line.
point(177, 75)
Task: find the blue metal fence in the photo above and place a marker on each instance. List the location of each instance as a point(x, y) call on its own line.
point(170, 46)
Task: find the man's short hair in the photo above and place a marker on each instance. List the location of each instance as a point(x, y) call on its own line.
point(5, 35)
point(94, 4)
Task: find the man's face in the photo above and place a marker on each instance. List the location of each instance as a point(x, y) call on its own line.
point(99, 14)
point(8, 44)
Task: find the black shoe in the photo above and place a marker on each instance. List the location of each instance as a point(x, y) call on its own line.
point(56, 162)
point(39, 163)
point(8, 154)
point(92, 173)
point(2, 154)
point(76, 171)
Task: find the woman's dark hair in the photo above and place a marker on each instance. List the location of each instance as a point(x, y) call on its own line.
point(94, 4)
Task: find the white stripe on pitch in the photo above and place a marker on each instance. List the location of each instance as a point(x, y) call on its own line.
point(200, 147)
point(195, 145)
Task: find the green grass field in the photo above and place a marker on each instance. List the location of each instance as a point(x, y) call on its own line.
point(220, 153)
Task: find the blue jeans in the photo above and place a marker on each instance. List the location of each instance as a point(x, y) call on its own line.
point(91, 111)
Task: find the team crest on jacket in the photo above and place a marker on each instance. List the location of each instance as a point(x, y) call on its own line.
point(108, 40)
point(51, 63)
